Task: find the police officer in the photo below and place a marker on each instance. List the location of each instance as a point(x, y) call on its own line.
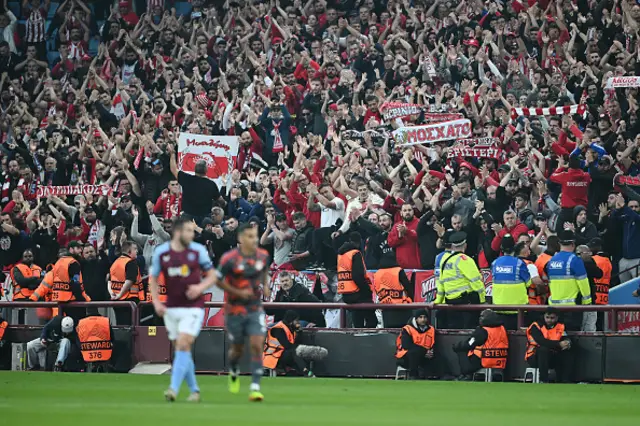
point(511, 280)
point(568, 280)
point(460, 283)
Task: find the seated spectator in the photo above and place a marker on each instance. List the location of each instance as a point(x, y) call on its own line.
point(414, 346)
point(293, 292)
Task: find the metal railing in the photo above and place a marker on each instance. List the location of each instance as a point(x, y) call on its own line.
point(343, 307)
point(135, 317)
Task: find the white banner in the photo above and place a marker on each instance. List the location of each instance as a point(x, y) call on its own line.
point(430, 133)
point(614, 82)
point(219, 152)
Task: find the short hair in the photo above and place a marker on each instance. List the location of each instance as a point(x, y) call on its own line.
point(553, 243)
point(127, 246)
point(298, 216)
point(355, 238)
point(285, 274)
point(508, 213)
point(243, 227)
point(201, 167)
point(521, 195)
point(180, 222)
point(324, 185)
point(574, 162)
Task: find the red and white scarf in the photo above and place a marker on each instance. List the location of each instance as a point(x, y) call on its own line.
point(278, 146)
point(561, 110)
point(172, 206)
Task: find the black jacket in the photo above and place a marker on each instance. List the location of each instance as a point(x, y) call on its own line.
point(479, 336)
point(281, 335)
point(52, 331)
point(377, 250)
point(427, 238)
point(537, 335)
point(298, 294)
point(406, 339)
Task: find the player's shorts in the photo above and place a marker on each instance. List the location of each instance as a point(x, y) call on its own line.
point(245, 325)
point(183, 320)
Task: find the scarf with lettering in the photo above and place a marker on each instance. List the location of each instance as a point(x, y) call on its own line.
point(172, 206)
point(278, 146)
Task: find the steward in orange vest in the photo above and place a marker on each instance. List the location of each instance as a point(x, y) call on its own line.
point(280, 345)
point(353, 284)
point(540, 294)
point(125, 280)
point(44, 293)
point(392, 287)
point(414, 345)
point(162, 290)
point(3, 329)
point(26, 277)
point(549, 347)
point(488, 346)
point(602, 284)
point(95, 339)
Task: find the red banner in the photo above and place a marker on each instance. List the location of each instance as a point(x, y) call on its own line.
point(46, 191)
point(425, 284)
point(629, 322)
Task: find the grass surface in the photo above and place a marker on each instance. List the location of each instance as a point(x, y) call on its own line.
point(47, 399)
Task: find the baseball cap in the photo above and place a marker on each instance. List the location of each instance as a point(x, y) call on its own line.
point(541, 216)
point(567, 237)
point(67, 325)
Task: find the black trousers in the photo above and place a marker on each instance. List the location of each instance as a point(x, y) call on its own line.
point(76, 313)
point(123, 316)
point(469, 364)
point(397, 318)
point(359, 317)
point(290, 359)
point(510, 321)
point(572, 320)
point(545, 359)
point(322, 247)
point(460, 320)
point(415, 361)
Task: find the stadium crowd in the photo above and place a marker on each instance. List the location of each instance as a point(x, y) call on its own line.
point(94, 93)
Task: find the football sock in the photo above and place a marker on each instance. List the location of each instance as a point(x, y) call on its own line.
point(191, 376)
point(234, 367)
point(256, 372)
point(179, 369)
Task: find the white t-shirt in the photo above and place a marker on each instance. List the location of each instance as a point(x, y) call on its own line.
point(329, 216)
point(533, 270)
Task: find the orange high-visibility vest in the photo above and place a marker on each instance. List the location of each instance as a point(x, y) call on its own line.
point(554, 333)
point(61, 289)
point(44, 293)
point(32, 271)
point(602, 284)
point(118, 277)
point(532, 291)
point(388, 288)
point(162, 290)
point(273, 349)
point(493, 353)
point(3, 328)
point(94, 334)
point(426, 339)
point(346, 284)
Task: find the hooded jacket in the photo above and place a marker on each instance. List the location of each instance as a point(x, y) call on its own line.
point(480, 335)
point(586, 232)
point(406, 339)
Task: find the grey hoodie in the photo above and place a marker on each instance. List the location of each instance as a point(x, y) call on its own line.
point(149, 242)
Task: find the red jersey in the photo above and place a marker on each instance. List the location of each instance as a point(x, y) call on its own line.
point(241, 272)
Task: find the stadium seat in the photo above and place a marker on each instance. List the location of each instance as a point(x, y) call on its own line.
point(183, 8)
point(532, 374)
point(488, 374)
point(402, 373)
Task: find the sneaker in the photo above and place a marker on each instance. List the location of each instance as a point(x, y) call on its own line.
point(169, 395)
point(194, 397)
point(58, 367)
point(256, 396)
point(234, 383)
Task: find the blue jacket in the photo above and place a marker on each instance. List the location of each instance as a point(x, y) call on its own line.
point(630, 232)
point(509, 270)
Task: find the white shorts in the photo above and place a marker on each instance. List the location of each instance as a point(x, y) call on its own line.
point(183, 320)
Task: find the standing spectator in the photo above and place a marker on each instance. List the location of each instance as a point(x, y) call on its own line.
point(512, 226)
point(575, 189)
point(280, 235)
point(404, 238)
point(301, 247)
point(629, 216)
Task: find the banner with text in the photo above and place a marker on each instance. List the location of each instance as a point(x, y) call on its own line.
point(430, 133)
point(477, 148)
point(616, 82)
point(219, 152)
point(46, 191)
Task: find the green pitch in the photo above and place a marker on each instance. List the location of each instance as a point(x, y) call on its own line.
point(50, 399)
